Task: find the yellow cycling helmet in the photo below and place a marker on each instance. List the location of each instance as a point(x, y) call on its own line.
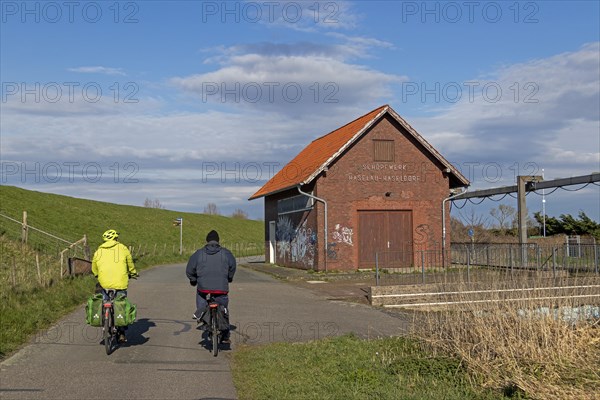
point(110, 234)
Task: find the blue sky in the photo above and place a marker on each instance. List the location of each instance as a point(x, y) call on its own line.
point(123, 101)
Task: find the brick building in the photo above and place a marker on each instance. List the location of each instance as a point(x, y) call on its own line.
point(372, 185)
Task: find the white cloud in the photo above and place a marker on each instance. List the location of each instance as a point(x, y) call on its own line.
point(292, 79)
point(187, 159)
point(552, 122)
point(98, 70)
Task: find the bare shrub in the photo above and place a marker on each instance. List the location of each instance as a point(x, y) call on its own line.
point(239, 214)
point(211, 209)
point(523, 344)
point(148, 203)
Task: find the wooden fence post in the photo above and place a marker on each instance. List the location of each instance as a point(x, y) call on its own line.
point(25, 228)
point(37, 264)
point(86, 248)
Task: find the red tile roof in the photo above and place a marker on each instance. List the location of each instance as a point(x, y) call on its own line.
point(322, 151)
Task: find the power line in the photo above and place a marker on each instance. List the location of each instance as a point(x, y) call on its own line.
point(586, 180)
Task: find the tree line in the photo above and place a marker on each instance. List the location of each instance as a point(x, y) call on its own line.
point(569, 225)
point(210, 209)
point(503, 221)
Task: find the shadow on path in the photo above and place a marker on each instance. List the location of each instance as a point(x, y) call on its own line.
point(135, 332)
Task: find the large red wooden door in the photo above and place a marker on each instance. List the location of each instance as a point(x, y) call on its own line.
point(400, 239)
point(372, 236)
point(388, 233)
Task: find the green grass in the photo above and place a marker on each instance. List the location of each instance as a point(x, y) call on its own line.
point(350, 368)
point(28, 306)
point(70, 218)
point(23, 313)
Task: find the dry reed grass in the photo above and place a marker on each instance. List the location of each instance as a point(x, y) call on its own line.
point(510, 344)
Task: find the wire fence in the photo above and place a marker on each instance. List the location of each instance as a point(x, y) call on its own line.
point(476, 262)
point(39, 239)
point(33, 257)
point(239, 249)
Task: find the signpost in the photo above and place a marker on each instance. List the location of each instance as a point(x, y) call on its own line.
point(179, 222)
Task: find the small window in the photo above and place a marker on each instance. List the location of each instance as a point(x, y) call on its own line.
point(294, 204)
point(383, 150)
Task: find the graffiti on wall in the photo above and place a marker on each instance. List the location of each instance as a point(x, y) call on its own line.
point(331, 250)
point(424, 236)
point(295, 243)
point(284, 233)
point(343, 234)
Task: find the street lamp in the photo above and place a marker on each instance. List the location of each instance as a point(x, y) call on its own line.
point(543, 206)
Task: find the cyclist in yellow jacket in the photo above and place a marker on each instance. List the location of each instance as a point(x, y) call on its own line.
point(113, 266)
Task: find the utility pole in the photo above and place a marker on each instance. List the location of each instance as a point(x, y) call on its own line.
point(522, 185)
point(525, 184)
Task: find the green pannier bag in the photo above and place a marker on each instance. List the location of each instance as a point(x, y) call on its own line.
point(93, 310)
point(124, 311)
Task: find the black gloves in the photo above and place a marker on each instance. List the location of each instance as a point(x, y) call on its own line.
point(193, 283)
point(229, 280)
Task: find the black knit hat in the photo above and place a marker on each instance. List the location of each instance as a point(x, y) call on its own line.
point(212, 236)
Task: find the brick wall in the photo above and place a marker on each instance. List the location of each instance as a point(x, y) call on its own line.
point(414, 181)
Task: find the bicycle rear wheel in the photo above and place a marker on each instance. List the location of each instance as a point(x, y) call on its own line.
point(109, 337)
point(215, 331)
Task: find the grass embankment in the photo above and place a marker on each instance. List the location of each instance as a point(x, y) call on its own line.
point(30, 301)
point(22, 314)
point(71, 218)
point(350, 368)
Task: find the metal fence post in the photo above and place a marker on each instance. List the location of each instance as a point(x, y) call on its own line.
point(554, 262)
point(510, 260)
point(596, 258)
point(423, 266)
point(468, 266)
point(376, 268)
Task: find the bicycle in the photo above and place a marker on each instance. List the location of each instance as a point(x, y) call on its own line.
point(109, 330)
point(214, 332)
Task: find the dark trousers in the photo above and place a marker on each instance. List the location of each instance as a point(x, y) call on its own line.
point(120, 329)
point(202, 305)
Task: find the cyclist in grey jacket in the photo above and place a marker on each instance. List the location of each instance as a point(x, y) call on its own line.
point(211, 269)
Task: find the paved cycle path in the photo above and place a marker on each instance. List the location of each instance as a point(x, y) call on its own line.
point(164, 358)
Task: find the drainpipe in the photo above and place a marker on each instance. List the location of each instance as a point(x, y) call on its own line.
point(444, 225)
point(325, 203)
